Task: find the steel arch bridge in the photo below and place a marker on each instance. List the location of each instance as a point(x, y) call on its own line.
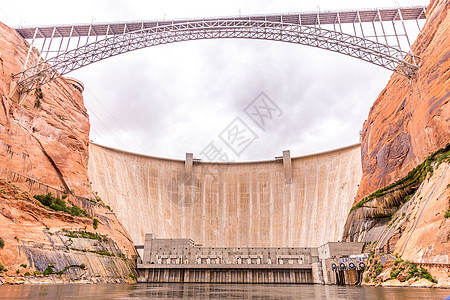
point(305, 29)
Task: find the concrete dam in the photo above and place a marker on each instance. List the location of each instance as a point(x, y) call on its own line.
point(285, 202)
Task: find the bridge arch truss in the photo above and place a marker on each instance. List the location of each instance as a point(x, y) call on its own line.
point(75, 50)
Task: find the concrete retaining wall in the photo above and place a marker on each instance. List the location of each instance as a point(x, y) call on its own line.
point(235, 204)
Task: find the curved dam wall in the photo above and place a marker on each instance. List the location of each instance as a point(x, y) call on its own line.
point(229, 204)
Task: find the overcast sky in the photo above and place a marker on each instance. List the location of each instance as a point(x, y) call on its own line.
point(177, 98)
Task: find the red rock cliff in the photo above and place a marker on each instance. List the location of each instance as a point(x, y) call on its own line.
point(47, 141)
point(44, 144)
point(410, 118)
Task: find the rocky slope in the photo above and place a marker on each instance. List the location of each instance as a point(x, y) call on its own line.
point(35, 237)
point(410, 118)
point(392, 271)
point(416, 227)
point(44, 145)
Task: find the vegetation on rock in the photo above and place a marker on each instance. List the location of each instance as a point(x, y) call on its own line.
point(60, 205)
point(49, 270)
point(2, 243)
point(85, 234)
point(95, 223)
point(399, 269)
point(100, 252)
point(447, 214)
point(399, 192)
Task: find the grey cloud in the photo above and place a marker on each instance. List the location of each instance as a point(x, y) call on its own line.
point(176, 98)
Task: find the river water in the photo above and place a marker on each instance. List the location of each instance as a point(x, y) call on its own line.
point(214, 291)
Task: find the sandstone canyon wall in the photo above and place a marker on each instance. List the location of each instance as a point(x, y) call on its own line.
point(410, 119)
point(233, 204)
point(46, 140)
point(44, 144)
point(408, 122)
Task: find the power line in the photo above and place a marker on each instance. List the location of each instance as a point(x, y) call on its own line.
point(112, 116)
point(106, 127)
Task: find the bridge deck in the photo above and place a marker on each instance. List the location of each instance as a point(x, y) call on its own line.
point(307, 18)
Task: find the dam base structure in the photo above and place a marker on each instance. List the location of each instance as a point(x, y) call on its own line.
point(183, 261)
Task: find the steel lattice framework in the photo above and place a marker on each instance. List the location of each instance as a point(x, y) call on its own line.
point(285, 28)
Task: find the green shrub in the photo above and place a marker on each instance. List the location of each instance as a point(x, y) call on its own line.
point(447, 214)
point(2, 243)
point(2, 268)
point(27, 274)
point(86, 235)
point(425, 274)
point(366, 279)
point(394, 273)
point(63, 270)
point(132, 276)
point(60, 205)
point(23, 265)
point(17, 271)
point(45, 200)
point(101, 252)
point(378, 269)
point(49, 270)
point(413, 269)
point(397, 261)
point(95, 223)
point(83, 266)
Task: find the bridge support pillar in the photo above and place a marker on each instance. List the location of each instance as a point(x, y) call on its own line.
point(12, 88)
point(22, 97)
point(287, 164)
